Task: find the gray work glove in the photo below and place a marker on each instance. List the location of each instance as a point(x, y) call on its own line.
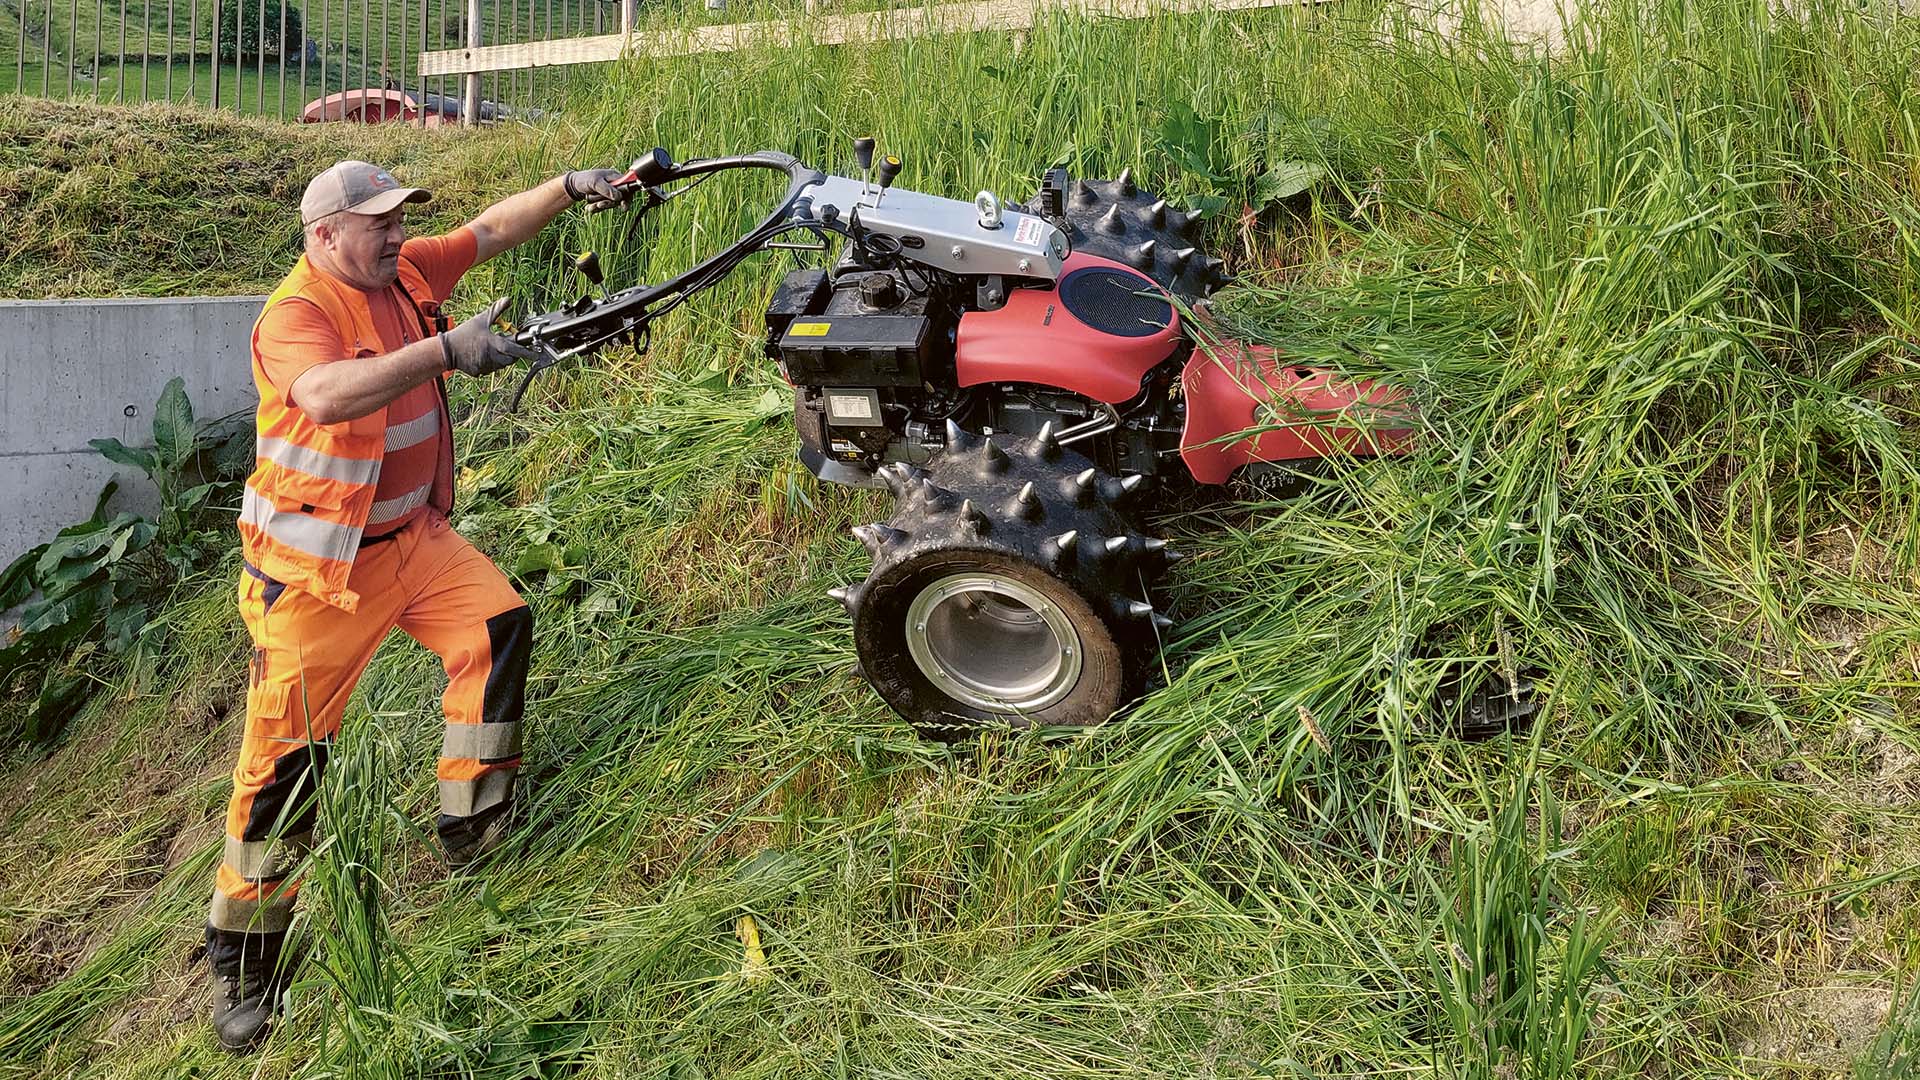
point(595, 187)
point(474, 348)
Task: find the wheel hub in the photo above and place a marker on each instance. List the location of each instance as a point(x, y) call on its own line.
point(993, 642)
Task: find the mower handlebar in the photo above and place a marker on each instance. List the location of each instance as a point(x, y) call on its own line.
point(586, 324)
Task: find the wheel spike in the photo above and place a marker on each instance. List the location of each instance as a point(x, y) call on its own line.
point(997, 459)
point(958, 438)
point(878, 535)
point(1045, 444)
point(1142, 256)
point(895, 479)
point(971, 516)
point(1115, 545)
point(1157, 214)
point(1214, 268)
point(1026, 504)
point(1176, 556)
point(1081, 488)
point(1162, 623)
point(1110, 221)
point(1139, 609)
point(843, 594)
point(1131, 484)
point(1060, 548)
point(1083, 194)
point(1152, 544)
point(1125, 184)
point(1181, 256)
point(1189, 225)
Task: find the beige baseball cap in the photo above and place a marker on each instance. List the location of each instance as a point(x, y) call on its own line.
point(358, 187)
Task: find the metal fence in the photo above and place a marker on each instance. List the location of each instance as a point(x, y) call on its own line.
point(322, 59)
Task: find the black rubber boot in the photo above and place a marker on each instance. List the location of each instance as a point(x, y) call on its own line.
point(248, 977)
point(468, 841)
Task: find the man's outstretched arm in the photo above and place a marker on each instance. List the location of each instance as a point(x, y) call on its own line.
point(515, 219)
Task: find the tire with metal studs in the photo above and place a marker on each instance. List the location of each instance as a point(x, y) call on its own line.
point(1116, 220)
point(1008, 588)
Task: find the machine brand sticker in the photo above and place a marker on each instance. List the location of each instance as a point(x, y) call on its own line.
point(1028, 231)
point(809, 329)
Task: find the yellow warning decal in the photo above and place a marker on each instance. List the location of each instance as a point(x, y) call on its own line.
point(809, 329)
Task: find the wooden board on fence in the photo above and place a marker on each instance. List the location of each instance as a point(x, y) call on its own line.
point(825, 30)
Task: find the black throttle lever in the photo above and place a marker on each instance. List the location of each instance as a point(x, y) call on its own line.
point(649, 170)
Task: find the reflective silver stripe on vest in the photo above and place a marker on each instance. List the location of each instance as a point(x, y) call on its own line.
point(315, 463)
point(267, 860)
point(399, 506)
point(268, 916)
point(301, 532)
point(465, 798)
point(481, 742)
point(415, 431)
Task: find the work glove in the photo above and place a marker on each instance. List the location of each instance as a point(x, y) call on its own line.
point(474, 348)
point(595, 186)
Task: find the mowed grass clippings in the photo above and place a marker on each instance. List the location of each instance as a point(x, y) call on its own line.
point(1655, 297)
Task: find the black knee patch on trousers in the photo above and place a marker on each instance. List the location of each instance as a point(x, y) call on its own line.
point(510, 634)
point(296, 778)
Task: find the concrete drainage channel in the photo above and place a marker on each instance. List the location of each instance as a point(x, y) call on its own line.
point(73, 370)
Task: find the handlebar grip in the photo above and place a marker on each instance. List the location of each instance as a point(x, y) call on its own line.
point(863, 152)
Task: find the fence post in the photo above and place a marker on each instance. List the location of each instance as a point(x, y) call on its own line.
point(626, 18)
point(470, 102)
point(213, 62)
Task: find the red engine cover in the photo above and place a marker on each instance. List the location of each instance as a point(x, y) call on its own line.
point(1093, 333)
point(1293, 412)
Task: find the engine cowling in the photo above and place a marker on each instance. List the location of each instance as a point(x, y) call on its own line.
point(1097, 332)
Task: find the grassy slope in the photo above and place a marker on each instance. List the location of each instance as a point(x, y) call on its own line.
point(1656, 301)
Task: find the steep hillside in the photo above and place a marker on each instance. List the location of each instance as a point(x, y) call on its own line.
point(1656, 297)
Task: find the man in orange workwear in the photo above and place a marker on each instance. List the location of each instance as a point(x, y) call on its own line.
point(344, 528)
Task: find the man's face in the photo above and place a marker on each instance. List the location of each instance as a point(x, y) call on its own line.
point(364, 248)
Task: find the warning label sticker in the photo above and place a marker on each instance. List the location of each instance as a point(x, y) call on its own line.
point(850, 406)
point(809, 329)
point(1028, 231)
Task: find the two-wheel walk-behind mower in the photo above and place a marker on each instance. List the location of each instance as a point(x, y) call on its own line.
point(1019, 377)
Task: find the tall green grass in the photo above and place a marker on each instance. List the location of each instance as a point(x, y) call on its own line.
point(1655, 296)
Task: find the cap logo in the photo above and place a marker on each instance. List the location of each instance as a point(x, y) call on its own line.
point(381, 180)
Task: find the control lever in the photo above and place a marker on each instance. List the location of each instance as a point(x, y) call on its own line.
point(889, 168)
point(588, 264)
point(863, 157)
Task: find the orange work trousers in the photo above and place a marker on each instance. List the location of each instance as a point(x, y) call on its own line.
point(430, 582)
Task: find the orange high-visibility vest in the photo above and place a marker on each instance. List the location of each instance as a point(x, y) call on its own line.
point(306, 503)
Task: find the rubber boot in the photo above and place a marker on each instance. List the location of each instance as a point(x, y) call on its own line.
point(468, 841)
point(247, 983)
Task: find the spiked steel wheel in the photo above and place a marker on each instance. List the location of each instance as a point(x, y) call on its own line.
point(1008, 587)
point(1116, 220)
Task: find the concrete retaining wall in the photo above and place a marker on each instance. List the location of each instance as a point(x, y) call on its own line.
point(73, 370)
